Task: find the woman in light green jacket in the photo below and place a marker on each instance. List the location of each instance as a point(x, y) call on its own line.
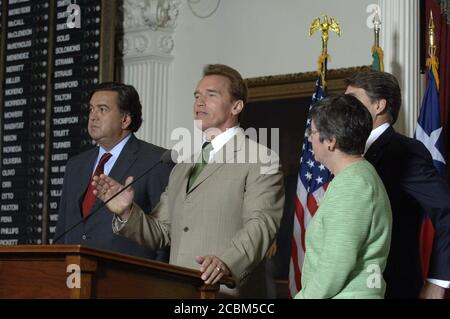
point(348, 239)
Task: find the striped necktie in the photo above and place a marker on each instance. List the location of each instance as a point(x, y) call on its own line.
point(89, 197)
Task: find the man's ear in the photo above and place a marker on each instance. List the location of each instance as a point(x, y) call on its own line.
point(126, 121)
point(237, 108)
point(381, 106)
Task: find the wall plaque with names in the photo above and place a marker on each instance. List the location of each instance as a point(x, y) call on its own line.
point(48, 66)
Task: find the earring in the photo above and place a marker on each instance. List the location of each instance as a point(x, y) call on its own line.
point(329, 148)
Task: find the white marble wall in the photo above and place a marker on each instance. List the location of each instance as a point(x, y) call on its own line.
point(167, 43)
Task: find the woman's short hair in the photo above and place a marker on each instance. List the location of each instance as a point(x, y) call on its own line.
point(344, 118)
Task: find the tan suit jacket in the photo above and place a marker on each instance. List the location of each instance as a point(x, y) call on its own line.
point(233, 210)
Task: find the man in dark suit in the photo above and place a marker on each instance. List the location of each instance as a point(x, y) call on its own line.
point(414, 188)
point(115, 113)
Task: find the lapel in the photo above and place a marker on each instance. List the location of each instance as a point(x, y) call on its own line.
point(376, 150)
point(227, 154)
point(126, 159)
point(122, 165)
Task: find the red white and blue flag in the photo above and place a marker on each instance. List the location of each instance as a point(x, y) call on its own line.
point(429, 132)
point(313, 179)
point(429, 127)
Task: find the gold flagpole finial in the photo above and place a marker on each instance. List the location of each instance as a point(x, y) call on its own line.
point(432, 60)
point(325, 26)
point(376, 27)
point(432, 46)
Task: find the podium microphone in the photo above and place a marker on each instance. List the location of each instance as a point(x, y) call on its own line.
point(167, 158)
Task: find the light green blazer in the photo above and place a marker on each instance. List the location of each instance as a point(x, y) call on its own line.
point(348, 239)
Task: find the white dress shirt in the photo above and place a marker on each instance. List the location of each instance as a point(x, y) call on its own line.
point(115, 152)
point(375, 134)
point(220, 140)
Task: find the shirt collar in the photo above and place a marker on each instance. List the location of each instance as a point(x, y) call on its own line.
point(115, 152)
point(220, 140)
point(375, 134)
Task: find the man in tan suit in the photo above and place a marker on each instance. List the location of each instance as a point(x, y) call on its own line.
point(221, 214)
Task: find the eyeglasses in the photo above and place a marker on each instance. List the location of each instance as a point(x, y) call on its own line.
point(310, 132)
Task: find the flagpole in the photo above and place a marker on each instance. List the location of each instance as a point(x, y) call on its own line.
point(376, 28)
point(432, 61)
point(325, 27)
point(429, 124)
point(377, 52)
point(432, 45)
point(313, 177)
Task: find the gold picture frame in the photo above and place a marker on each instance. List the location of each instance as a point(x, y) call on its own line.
point(285, 86)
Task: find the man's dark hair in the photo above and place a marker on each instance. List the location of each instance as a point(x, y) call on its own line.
point(127, 99)
point(379, 85)
point(238, 87)
point(344, 118)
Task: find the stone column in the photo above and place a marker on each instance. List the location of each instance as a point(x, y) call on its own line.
point(400, 42)
point(148, 27)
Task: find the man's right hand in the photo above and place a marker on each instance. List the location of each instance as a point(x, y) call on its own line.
point(105, 187)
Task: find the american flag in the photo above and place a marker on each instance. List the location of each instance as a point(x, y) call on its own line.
point(313, 179)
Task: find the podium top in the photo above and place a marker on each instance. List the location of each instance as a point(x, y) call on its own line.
point(30, 251)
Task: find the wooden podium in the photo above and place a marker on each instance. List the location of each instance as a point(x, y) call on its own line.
point(50, 271)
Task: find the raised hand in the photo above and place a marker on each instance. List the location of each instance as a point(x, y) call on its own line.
point(105, 187)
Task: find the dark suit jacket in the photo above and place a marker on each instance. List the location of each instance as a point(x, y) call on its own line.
point(414, 188)
point(136, 157)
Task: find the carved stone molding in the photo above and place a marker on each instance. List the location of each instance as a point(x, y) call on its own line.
point(147, 44)
point(144, 44)
point(155, 14)
point(148, 28)
point(165, 43)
